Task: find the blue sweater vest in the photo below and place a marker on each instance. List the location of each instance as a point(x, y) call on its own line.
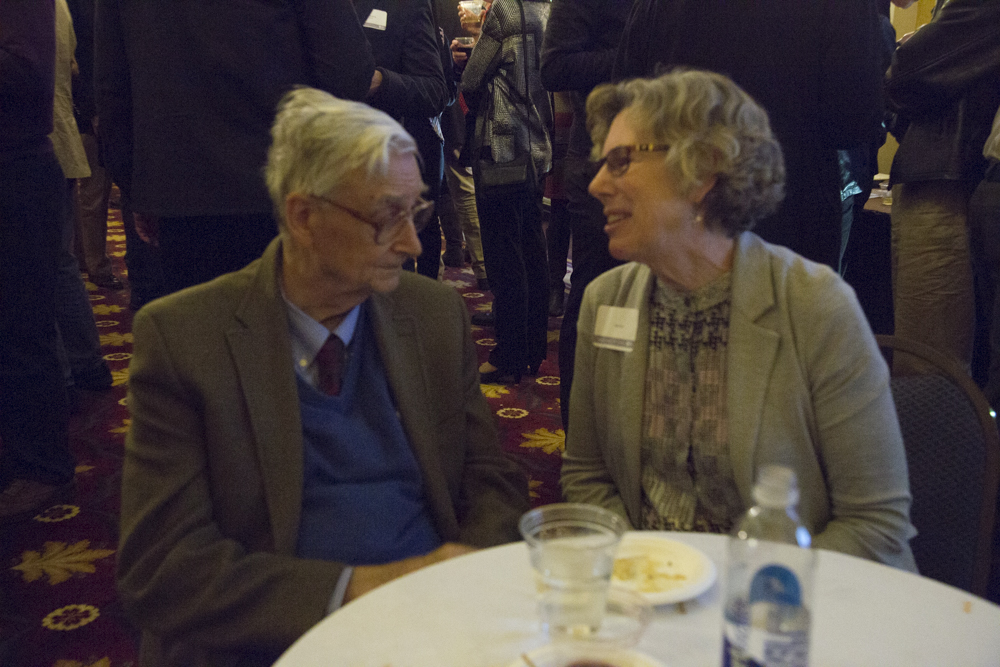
point(362, 494)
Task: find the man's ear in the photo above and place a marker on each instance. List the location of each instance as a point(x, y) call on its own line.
point(298, 210)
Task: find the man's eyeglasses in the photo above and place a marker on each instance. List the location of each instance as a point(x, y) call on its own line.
point(388, 222)
point(619, 158)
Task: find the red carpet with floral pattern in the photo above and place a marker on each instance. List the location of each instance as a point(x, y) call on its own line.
point(58, 606)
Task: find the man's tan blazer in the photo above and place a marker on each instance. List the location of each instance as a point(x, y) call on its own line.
point(212, 486)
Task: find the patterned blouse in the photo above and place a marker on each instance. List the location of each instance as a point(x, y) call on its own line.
point(687, 478)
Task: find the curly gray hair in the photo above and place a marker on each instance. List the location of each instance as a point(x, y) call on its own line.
point(317, 140)
point(713, 128)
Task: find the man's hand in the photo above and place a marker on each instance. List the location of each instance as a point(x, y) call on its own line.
point(471, 23)
point(376, 82)
point(459, 55)
point(147, 227)
point(368, 577)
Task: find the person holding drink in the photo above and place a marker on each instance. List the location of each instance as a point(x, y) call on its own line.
point(712, 353)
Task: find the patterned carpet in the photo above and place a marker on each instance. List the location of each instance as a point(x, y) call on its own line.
point(58, 606)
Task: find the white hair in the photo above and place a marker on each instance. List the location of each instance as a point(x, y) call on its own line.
point(317, 140)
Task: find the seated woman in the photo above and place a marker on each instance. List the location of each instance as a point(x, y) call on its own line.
point(713, 353)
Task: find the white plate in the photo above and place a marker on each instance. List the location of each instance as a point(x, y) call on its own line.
point(563, 655)
point(664, 570)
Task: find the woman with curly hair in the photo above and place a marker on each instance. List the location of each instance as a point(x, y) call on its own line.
point(712, 353)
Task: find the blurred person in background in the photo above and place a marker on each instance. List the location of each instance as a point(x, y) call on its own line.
point(578, 53)
point(80, 343)
point(944, 85)
point(816, 69)
point(511, 152)
point(186, 92)
point(409, 84)
point(36, 466)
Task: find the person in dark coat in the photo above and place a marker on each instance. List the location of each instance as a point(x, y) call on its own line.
point(581, 39)
point(36, 466)
point(813, 66)
point(945, 80)
point(186, 91)
point(410, 86)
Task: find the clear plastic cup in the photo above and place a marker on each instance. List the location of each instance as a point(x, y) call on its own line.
point(572, 550)
point(475, 7)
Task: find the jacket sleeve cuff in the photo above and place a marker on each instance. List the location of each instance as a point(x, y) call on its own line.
point(337, 599)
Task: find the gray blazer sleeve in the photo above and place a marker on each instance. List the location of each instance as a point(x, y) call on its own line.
point(858, 441)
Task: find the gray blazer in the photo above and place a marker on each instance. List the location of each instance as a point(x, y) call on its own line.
point(212, 481)
point(807, 388)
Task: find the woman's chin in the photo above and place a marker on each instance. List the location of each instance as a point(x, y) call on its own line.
point(620, 251)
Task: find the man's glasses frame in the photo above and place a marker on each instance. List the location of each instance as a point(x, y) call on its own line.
point(387, 227)
point(619, 158)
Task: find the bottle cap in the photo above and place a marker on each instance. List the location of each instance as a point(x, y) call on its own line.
point(776, 487)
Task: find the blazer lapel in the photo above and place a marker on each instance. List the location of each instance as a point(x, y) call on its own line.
point(261, 349)
point(631, 391)
point(406, 368)
point(752, 352)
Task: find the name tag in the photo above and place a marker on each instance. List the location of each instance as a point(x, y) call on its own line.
point(616, 327)
point(377, 19)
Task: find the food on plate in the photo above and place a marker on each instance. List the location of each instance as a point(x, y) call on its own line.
point(648, 573)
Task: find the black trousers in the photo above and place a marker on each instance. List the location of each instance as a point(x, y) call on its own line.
point(33, 406)
point(516, 266)
point(590, 259)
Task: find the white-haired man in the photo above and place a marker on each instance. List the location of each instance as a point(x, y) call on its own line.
point(260, 465)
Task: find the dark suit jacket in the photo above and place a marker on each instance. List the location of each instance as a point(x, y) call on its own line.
point(814, 66)
point(578, 52)
point(212, 483)
point(413, 87)
point(187, 89)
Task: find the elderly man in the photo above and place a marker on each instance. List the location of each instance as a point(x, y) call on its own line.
point(311, 426)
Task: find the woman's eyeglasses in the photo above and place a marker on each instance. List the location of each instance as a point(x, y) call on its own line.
point(619, 158)
point(388, 222)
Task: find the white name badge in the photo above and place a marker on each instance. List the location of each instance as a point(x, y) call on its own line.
point(616, 327)
point(377, 19)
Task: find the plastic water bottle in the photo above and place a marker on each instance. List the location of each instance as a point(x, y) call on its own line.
point(769, 588)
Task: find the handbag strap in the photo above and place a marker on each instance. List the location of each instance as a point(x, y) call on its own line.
point(527, 81)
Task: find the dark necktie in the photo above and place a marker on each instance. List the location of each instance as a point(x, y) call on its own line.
point(330, 365)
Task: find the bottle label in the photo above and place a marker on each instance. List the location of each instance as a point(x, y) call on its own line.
point(776, 584)
point(769, 628)
point(786, 649)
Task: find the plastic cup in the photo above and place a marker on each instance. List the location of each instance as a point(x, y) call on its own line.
point(572, 550)
point(475, 7)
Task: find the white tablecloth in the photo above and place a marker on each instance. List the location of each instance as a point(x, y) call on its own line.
point(479, 611)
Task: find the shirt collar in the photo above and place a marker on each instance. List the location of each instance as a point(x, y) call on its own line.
point(308, 335)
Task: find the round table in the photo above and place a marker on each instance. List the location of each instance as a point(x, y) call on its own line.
point(479, 611)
